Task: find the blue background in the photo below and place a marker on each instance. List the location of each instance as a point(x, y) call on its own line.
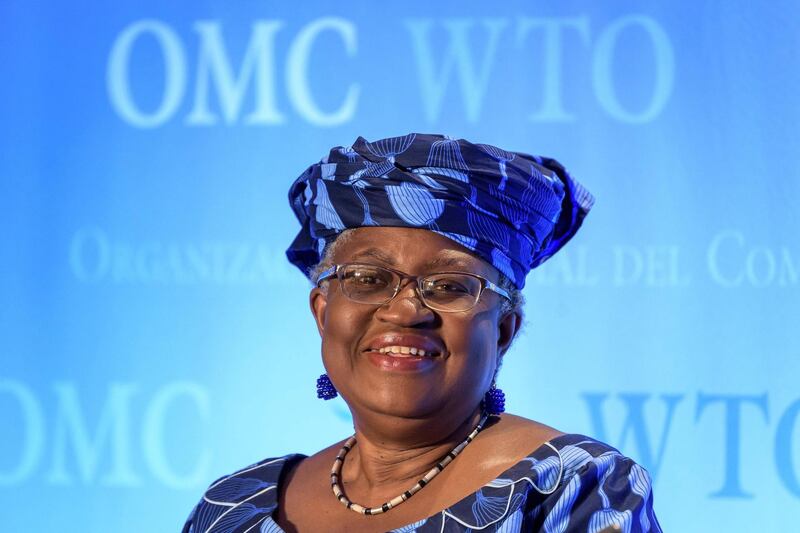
point(154, 337)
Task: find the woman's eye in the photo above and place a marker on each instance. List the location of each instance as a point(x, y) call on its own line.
point(367, 278)
point(448, 286)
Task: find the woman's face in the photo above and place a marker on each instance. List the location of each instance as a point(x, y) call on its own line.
point(467, 344)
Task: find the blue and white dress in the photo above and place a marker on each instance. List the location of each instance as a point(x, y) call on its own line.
point(571, 484)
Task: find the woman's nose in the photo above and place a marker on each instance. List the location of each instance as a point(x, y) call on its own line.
point(406, 308)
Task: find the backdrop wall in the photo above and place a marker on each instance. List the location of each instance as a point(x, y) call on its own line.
point(154, 337)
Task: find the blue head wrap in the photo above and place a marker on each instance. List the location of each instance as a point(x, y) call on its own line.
point(511, 209)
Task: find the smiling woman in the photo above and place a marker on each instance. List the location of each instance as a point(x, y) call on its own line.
point(463, 343)
point(417, 248)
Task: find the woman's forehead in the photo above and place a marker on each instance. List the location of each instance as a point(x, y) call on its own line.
point(412, 248)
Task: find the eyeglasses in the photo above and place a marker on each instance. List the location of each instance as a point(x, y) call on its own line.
point(449, 292)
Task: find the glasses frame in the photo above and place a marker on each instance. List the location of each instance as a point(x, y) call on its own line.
point(336, 271)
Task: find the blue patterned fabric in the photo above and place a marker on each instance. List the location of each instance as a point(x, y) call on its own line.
point(512, 209)
point(591, 486)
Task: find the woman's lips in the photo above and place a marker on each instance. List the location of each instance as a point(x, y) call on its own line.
point(401, 362)
point(406, 351)
point(405, 344)
point(395, 351)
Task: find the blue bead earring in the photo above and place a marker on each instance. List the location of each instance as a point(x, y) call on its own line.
point(325, 388)
point(494, 401)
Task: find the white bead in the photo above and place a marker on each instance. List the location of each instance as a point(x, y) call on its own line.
point(348, 445)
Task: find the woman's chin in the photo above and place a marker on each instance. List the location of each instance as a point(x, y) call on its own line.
point(394, 405)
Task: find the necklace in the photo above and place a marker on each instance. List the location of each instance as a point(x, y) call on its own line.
point(394, 502)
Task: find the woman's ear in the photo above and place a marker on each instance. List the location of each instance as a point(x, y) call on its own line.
point(318, 301)
point(507, 327)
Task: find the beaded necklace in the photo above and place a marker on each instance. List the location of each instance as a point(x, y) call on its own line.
point(397, 500)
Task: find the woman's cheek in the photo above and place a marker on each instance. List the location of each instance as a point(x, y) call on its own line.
point(482, 337)
point(345, 328)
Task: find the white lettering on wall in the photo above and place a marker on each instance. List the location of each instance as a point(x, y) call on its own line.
point(473, 79)
point(733, 262)
point(31, 439)
point(153, 440)
point(460, 62)
point(73, 438)
point(664, 64)
point(553, 29)
point(118, 82)
point(95, 257)
point(214, 68)
point(96, 444)
point(297, 82)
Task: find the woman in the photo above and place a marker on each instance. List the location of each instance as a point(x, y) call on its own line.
point(418, 247)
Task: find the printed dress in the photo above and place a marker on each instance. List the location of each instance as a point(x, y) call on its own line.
point(571, 484)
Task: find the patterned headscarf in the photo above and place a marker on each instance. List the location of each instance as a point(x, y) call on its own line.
point(511, 209)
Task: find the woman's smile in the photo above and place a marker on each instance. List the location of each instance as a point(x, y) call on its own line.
point(404, 352)
point(401, 362)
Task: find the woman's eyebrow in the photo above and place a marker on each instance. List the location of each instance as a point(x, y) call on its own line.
point(438, 262)
point(375, 253)
point(449, 262)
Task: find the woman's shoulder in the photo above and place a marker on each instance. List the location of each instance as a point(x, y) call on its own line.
point(566, 481)
point(242, 498)
point(514, 434)
point(555, 454)
point(577, 481)
point(523, 444)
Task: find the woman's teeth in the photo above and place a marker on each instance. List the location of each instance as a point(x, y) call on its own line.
point(404, 351)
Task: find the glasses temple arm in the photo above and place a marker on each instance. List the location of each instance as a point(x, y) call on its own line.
point(328, 272)
point(499, 290)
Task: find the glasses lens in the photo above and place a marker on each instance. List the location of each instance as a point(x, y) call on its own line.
point(451, 292)
point(367, 283)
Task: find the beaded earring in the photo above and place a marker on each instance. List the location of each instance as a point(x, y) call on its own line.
point(325, 388)
point(494, 401)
